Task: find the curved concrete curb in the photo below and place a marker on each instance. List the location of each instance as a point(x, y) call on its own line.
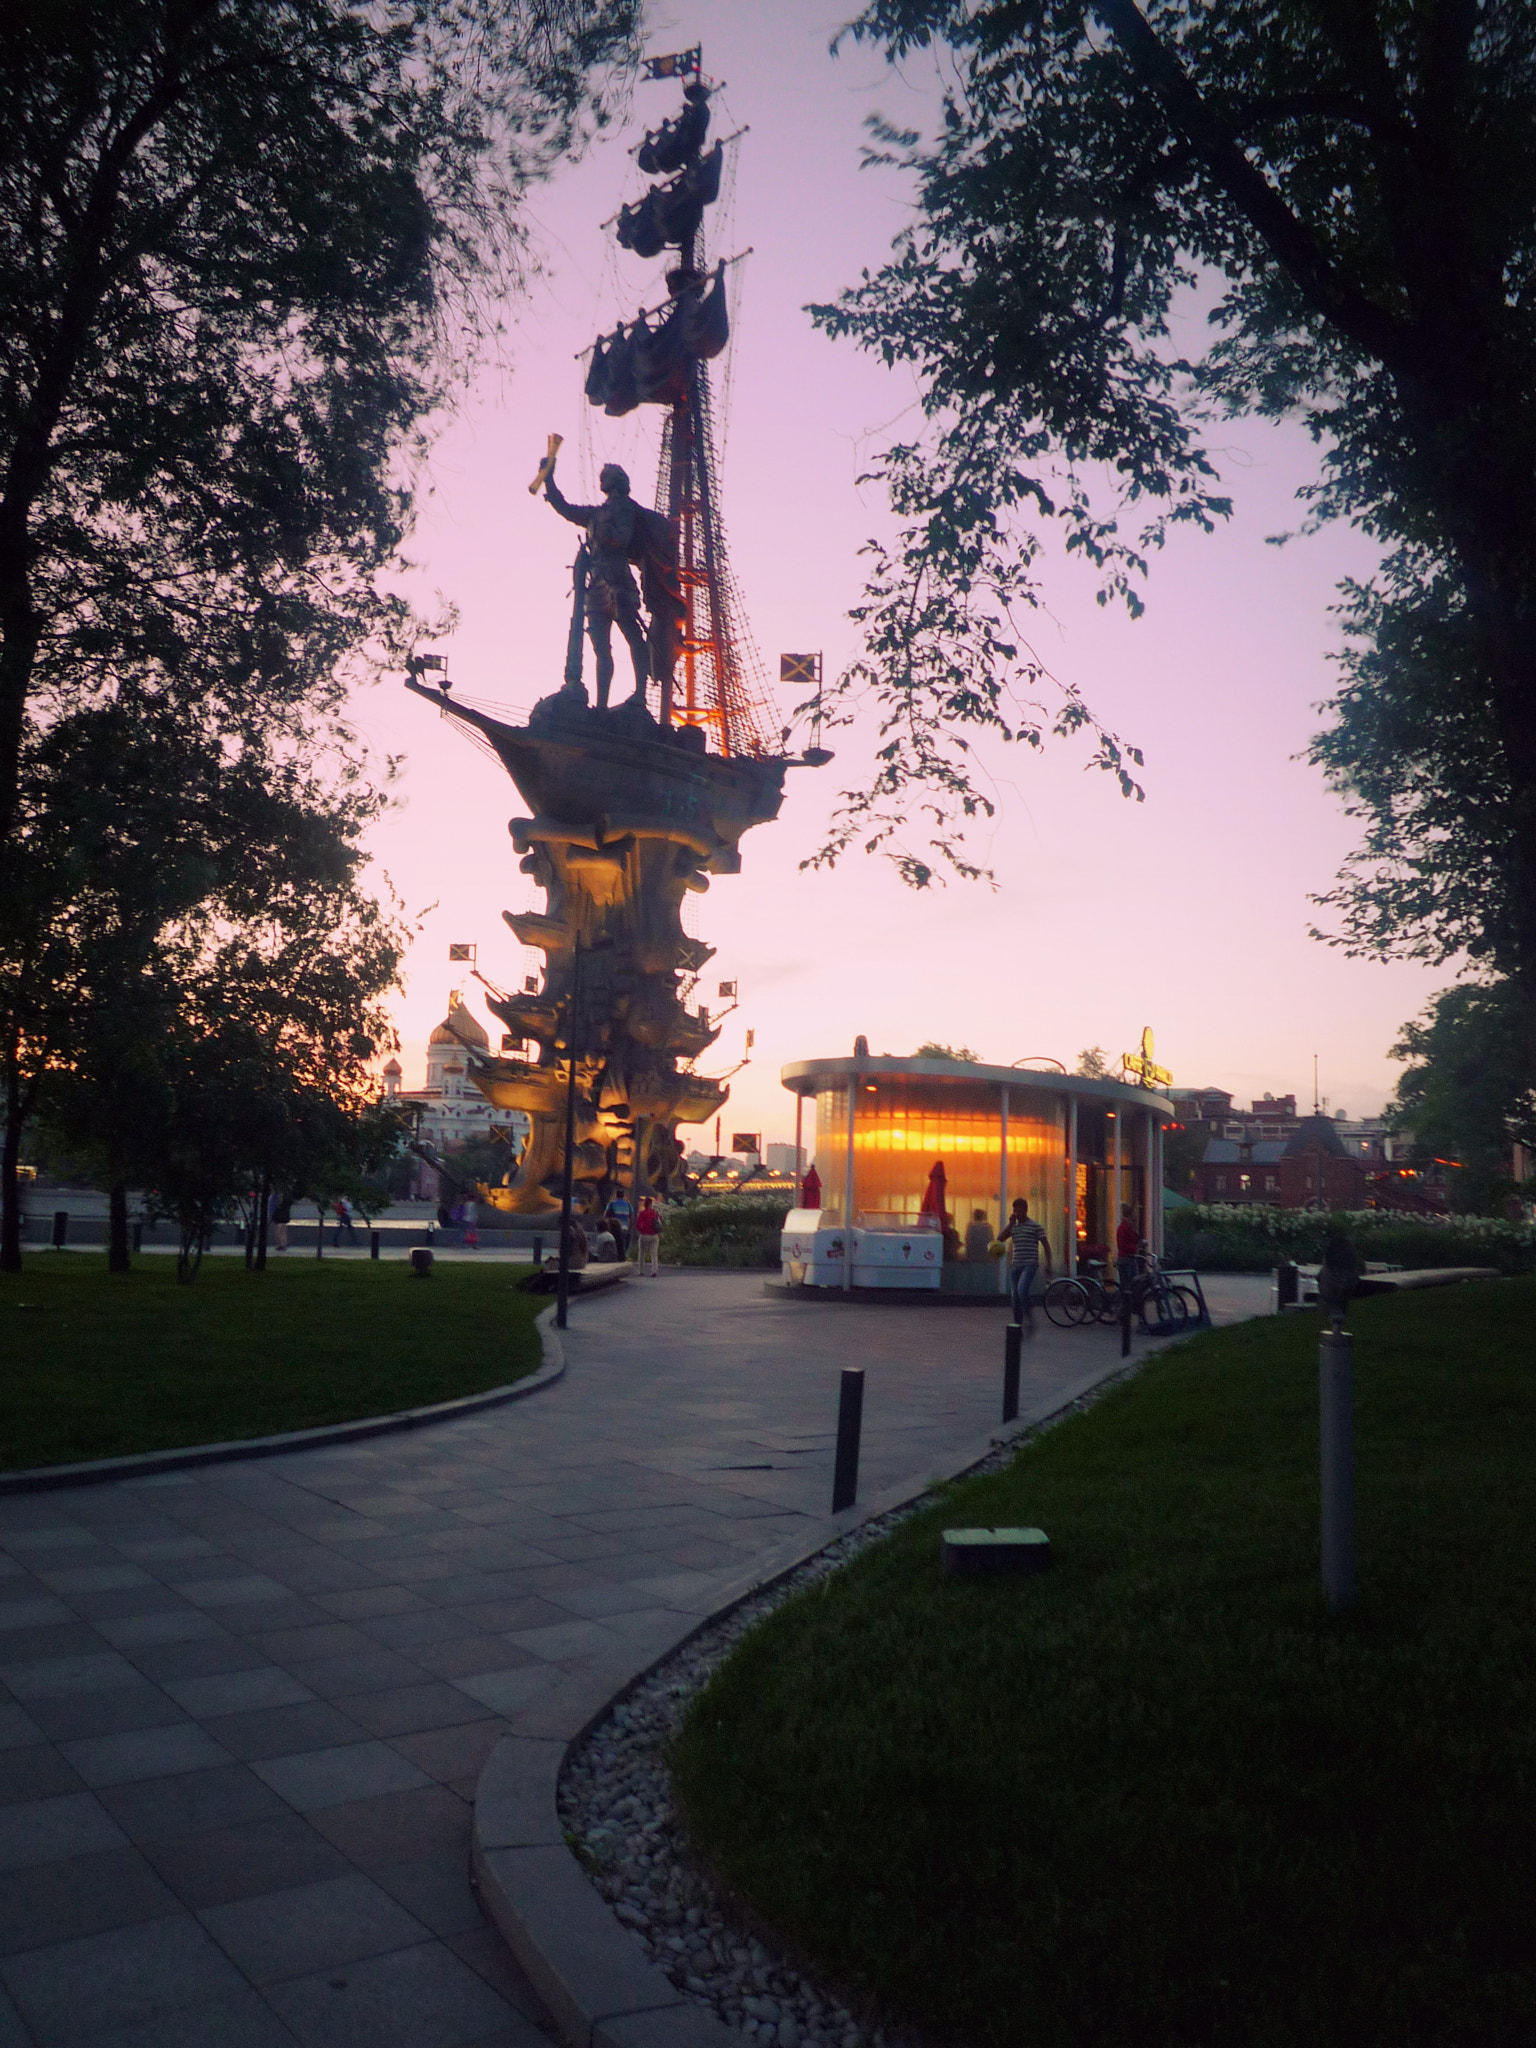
point(99, 1471)
point(592, 1973)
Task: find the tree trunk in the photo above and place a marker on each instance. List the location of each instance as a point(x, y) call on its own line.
point(118, 1259)
point(10, 1188)
point(319, 1230)
point(263, 1203)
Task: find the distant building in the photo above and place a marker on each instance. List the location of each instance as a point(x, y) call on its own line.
point(453, 1111)
point(785, 1159)
point(1321, 1166)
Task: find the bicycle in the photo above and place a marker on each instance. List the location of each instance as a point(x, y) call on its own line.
point(1165, 1308)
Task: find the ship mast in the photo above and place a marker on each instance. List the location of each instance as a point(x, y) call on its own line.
point(716, 684)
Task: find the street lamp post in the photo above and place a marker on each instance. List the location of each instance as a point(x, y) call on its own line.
point(568, 1177)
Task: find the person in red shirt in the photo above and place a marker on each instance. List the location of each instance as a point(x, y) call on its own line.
point(1127, 1245)
point(648, 1233)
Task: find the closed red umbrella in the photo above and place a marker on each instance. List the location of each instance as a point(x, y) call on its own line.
point(934, 1210)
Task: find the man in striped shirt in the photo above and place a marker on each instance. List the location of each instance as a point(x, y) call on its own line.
point(1027, 1244)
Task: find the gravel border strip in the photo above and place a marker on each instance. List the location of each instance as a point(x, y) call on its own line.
point(646, 1951)
point(101, 1471)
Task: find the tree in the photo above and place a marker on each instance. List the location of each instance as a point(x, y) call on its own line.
point(930, 1049)
point(1093, 1063)
point(1467, 1095)
point(189, 944)
point(244, 253)
point(1352, 189)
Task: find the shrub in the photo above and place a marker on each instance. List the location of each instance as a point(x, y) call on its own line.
point(728, 1230)
point(1220, 1237)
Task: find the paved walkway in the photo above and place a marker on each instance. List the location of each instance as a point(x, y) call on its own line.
point(245, 1707)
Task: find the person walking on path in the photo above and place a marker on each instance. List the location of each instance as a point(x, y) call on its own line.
point(344, 1222)
point(648, 1231)
point(620, 1216)
point(1027, 1244)
point(1127, 1245)
point(279, 1212)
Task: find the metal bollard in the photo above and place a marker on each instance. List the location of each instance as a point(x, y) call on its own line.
point(850, 1416)
point(373, 1244)
point(138, 1237)
point(538, 1253)
point(1336, 1417)
point(60, 1228)
point(1125, 1321)
point(421, 1263)
point(1012, 1340)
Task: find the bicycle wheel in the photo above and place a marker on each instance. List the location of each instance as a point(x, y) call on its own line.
point(1161, 1314)
point(1107, 1307)
point(1065, 1303)
point(1191, 1304)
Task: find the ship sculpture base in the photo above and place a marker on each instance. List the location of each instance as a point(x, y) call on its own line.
point(627, 818)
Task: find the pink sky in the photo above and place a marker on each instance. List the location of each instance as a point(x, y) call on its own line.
point(1188, 912)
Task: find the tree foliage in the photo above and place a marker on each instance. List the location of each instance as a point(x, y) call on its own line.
point(1467, 1095)
point(245, 252)
point(192, 974)
point(1353, 187)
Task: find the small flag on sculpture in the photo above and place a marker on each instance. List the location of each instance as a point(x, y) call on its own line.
point(680, 64)
point(747, 1143)
point(727, 988)
point(461, 952)
point(800, 668)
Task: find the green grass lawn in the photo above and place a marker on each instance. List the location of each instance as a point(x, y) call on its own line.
point(1159, 1795)
point(94, 1365)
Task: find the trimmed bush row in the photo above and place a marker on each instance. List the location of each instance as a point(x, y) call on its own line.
point(730, 1230)
point(1220, 1237)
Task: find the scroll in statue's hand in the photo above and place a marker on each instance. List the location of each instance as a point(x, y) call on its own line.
point(546, 468)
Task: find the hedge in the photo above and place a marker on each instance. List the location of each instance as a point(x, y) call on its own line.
point(730, 1230)
point(1220, 1237)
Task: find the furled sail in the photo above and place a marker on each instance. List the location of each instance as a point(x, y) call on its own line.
point(669, 215)
point(675, 143)
point(649, 365)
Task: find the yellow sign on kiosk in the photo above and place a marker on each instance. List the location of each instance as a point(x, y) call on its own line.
point(1142, 1067)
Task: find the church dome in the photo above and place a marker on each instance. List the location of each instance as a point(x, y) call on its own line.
point(393, 1067)
point(460, 1027)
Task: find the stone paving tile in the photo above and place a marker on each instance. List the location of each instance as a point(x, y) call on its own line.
point(218, 1864)
point(380, 1832)
point(328, 1777)
point(319, 1639)
point(79, 1895)
point(173, 1625)
point(158, 1809)
point(238, 1692)
point(283, 1731)
point(144, 1753)
point(407, 1709)
point(206, 1656)
point(48, 1830)
point(76, 1988)
point(244, 2021)
point(422, 1997)
point(449, 1756)
point(36, 1772)
point(311, 1927)
point(72, 1719)
point(36, 1610)
point(17, 1730)
point(68, 1676)
point(373, 1601)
